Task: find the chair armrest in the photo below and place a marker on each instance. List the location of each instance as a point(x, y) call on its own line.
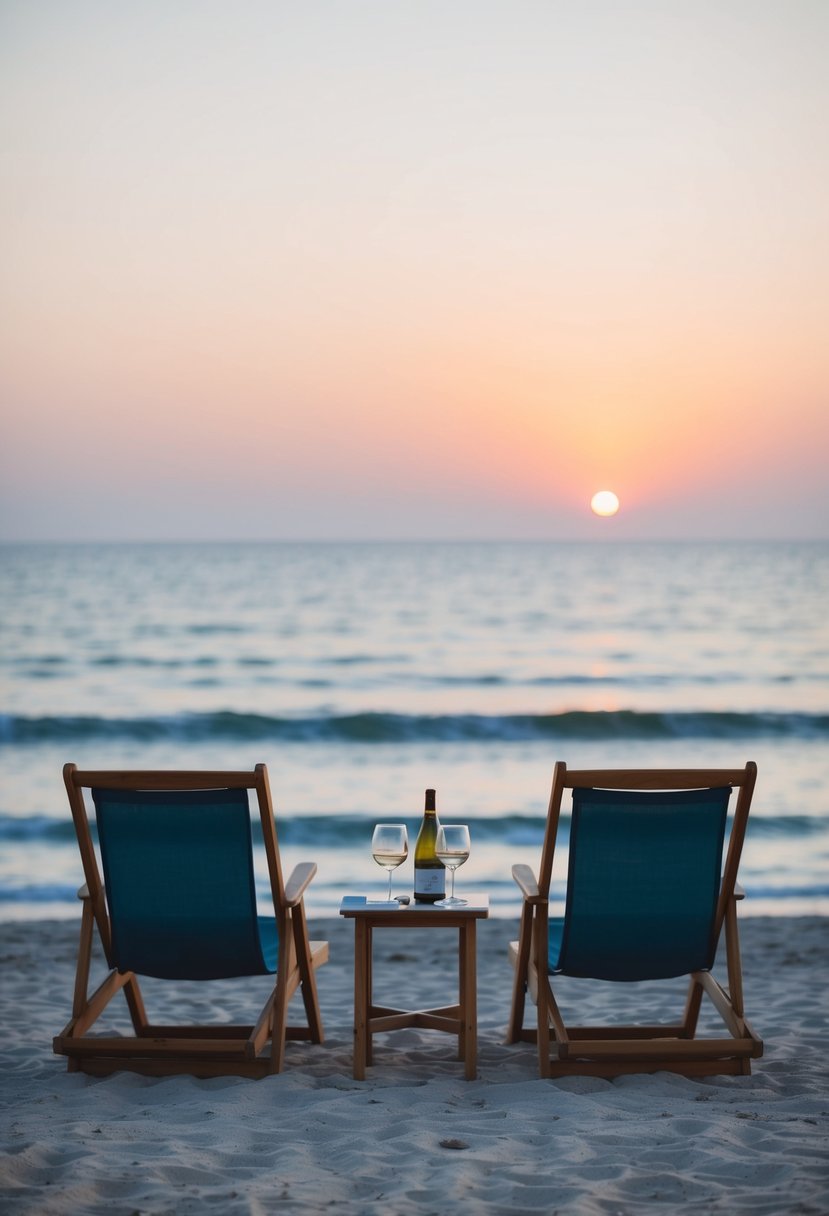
point(299, 880)
point(83, 892)
point(526, 880)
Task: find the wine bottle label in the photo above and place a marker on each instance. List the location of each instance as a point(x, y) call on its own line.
point(429, 882)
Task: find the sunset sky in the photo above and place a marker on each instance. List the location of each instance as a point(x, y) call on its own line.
point(414, 269)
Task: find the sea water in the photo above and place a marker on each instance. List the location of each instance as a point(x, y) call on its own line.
point(363, 673)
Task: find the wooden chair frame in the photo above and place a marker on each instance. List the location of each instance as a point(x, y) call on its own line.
point(203, 1051)
point(611, 1051)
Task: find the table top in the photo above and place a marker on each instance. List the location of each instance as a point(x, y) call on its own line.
point(475, 908)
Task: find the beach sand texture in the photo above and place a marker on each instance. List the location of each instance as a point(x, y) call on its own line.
point(415, 1137)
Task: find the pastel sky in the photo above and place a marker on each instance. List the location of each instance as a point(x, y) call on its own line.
point(415, 269)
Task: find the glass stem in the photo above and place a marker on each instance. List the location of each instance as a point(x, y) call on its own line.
point(390, 874)
point(452, 896)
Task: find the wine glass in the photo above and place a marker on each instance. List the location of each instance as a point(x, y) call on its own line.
point(390, 847)
point(452, 848)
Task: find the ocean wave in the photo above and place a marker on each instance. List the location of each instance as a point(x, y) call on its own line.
point(379, 727)
point(55, 666)
point(502, 894)
point(351, 830)
point(41, 893)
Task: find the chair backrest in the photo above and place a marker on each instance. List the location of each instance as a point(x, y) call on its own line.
point(646, 891)
point(177, 857)
point(642, 884)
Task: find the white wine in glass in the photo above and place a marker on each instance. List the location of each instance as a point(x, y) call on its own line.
point(390, 847)
point(452, 848)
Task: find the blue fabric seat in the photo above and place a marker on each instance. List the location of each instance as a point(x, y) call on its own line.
point(642, 884)
point(178, 871)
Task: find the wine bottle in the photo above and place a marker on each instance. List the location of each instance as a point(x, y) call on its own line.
point(430, 875)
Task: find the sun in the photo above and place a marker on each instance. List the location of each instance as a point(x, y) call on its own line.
point(604, 502)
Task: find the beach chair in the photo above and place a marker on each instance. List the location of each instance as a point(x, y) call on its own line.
point(646, 899)
point(178, 902)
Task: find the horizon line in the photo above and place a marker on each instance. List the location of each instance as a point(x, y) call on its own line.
point(9, 542)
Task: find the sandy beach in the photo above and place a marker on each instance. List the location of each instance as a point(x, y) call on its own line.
point(415, 1137)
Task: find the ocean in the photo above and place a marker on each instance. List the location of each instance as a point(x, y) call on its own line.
point(362, 674)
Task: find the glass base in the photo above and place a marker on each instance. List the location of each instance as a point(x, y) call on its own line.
point(451, 902)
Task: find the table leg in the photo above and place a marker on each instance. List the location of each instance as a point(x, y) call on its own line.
point(461, 995)
point(361, 977)
point(369, 991)
point(469, 1000)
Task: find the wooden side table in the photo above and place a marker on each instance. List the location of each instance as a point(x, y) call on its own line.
point(460, 1019)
